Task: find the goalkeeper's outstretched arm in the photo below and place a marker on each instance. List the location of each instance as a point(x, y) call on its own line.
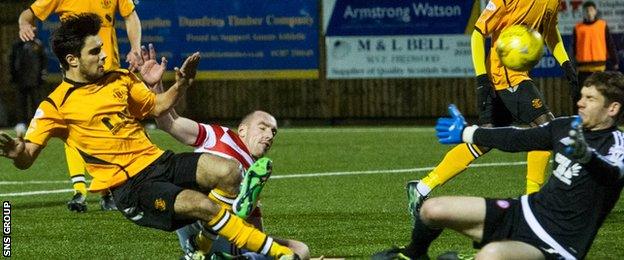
point(510, 139)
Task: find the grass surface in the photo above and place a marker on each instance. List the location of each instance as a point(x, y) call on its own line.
point(354, 214)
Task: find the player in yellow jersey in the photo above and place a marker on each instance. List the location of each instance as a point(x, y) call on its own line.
point(105, 9)
point(503, 96)
point(98, 112)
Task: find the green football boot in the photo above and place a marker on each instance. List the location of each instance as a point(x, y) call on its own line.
point(253, 181)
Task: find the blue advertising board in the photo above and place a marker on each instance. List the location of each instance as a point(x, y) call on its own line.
point(237, 38)
point(401, 17)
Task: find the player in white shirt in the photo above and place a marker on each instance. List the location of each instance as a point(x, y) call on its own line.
point(253, 140)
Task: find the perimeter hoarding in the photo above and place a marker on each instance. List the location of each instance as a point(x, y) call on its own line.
point(238, 39)
point(404, 38)
point(425, 38)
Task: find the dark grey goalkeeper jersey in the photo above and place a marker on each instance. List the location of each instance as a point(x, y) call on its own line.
point(573, 204)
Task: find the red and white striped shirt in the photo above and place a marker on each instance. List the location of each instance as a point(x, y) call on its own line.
point(224, 142)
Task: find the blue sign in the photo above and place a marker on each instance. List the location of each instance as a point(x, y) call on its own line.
point(236, 38)
point(400, 17)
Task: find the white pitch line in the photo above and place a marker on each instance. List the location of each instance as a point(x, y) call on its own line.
point(39, 192)
point(287, 176)
point(422, 169)
point(358, 130)
point(33, 182)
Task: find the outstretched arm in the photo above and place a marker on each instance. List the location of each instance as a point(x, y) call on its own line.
point(22, 153)
point(453, 130)
point(152, 72)
point(510, 139)
point(169, 98)
point(181, 128)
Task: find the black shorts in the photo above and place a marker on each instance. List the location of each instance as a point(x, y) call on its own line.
point(148, 198)
point(505, 220)
point(522, 104)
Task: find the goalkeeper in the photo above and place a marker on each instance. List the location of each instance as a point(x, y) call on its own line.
point(561, 220)
point(503, 95)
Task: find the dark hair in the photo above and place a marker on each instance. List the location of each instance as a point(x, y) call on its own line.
point(588, 4)
point(611, 85)
point(70, 37)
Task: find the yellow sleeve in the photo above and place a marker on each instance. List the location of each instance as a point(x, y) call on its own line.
point(491, 17)
point(477, 44)
point(46, 123)
point(141, 101)
point(126, 7)
point(43, 8)
point(555, 44)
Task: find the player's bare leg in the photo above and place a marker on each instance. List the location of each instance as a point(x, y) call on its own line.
point(509, 250)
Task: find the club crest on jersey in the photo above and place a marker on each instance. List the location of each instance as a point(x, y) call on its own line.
point(106, 3)
point(566, 169)
point(160, 204)
point(119, 94)
point(536, 103)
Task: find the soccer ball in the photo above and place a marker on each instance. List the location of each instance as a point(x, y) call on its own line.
point(519, 47)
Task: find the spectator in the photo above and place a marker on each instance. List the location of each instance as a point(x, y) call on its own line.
point(28, 69)
point(593, 45)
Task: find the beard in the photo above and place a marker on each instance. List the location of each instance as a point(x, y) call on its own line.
point(90, 75)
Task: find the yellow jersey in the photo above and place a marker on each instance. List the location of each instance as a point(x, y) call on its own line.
point(540, 15)
point(105, 9)
point(101, 120)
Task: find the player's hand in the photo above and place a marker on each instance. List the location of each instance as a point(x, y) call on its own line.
point(185, 75)
point(578, 148)
point(449, 129)
point(11, 147)
point(149, 68)
point(134, 59)
point(572, 78)
point(27, 32)
point(485, 92)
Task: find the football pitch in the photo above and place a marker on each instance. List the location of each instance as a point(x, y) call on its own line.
point(339, 190)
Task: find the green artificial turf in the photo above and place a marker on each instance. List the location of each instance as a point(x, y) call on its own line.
point(332, 188)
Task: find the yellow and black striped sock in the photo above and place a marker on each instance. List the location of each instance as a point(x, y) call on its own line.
point(222, 198)
point(79, 183)
point(537, 161)
point(244, 235)
point(455, 161)
point(76, 168)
